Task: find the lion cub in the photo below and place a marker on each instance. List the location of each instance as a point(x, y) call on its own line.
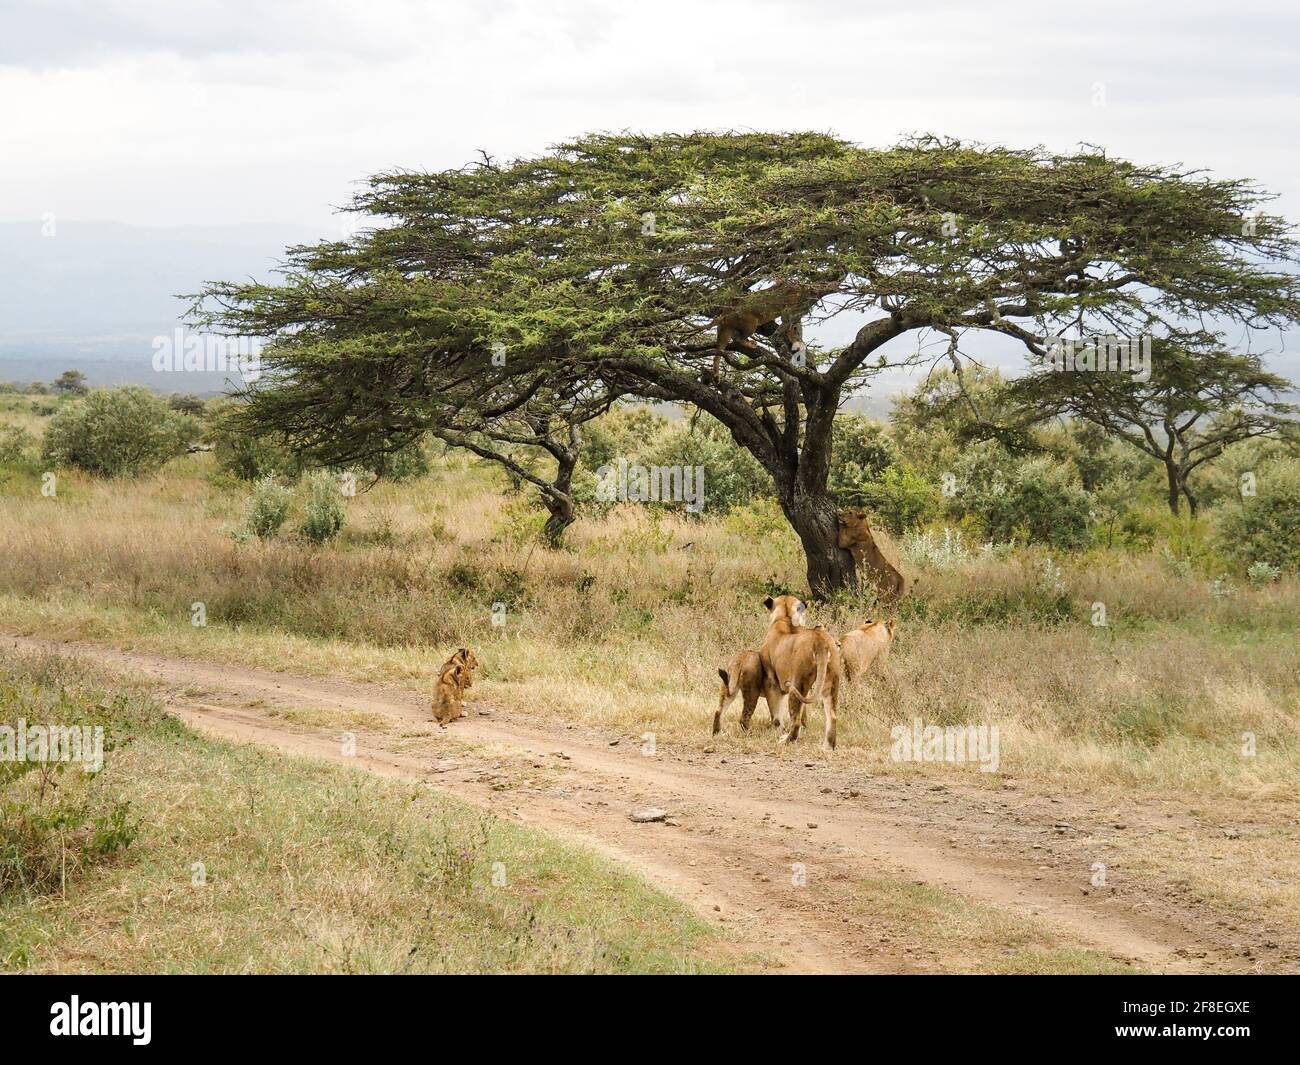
point(456, 675)
point(743, 676)
point(866, 646)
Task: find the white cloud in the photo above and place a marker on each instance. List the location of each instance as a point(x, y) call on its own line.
point(236, 111)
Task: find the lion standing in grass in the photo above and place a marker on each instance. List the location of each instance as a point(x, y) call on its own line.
point(743, 676)
point(866, 647)
point(798, 660)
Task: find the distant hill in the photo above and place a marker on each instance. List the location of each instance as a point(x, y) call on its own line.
point(94, 295)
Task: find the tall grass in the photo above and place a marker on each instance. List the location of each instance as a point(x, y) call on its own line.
point(626, 626)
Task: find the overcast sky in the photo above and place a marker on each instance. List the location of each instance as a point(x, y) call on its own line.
point(235, 111)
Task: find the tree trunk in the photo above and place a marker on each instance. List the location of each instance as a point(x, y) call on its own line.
point(559, 500)
point(1175, 487)
point(561, 517)
point(815, 519)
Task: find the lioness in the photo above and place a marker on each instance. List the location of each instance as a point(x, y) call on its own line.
point(865, 646)
point(744, 676)
point(796, 660)
point(456, 675)
point(874, 554)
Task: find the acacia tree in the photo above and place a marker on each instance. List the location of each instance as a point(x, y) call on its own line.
point(1196, 402)
point(607, 261)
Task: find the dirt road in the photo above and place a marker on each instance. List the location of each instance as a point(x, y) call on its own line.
point(795, 857)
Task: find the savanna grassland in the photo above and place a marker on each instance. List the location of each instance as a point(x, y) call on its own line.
point(1186, 698)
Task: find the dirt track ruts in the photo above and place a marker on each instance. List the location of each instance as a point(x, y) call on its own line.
point(738, 824)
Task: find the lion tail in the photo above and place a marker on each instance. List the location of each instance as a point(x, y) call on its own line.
point(823, 664)
point(730, 685)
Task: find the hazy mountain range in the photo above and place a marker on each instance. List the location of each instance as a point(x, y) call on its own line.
point(93, 295)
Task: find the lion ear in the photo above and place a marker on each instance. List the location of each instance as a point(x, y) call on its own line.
point(768, 602)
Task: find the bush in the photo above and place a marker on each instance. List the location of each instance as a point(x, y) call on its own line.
point(619, 434)
point(1261, 573)
point(732, 476)
point(268, 507)
point(900, 498)
point(120, 432)
point(44, 842)
point(404, 463)
point(521, 522)
point(1265, 527)
point(56, 819)
point(15, 442)
point(242, 453)
point(323, 511)
point(860, 453)
point(1034, 500)
point(186, 404)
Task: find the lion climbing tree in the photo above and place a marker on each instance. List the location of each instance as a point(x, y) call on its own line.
point(686, 268)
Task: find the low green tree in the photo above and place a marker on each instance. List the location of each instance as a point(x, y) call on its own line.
point(119, 432)
point(267, 508)
point(1265, 527)
point(323, 511)
point(1034, 499)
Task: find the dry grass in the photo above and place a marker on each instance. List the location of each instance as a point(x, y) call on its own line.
point(626, 628)
point(970, 937)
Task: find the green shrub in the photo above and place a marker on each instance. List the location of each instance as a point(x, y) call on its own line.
point(244, 454)
point(1261, 573)
point(119, 432)
point(758, 519)
point(1265, 527)
point(323, 512)
point(732, 476)
point(866, 472)
point(620, 433)
point(403, 464)
point(521, 522)
point(901, 499)
point(15, 443)
point(186, 404)
point(44, 842)
point(861, 452)
point(57, 819)
point(1034, 500)
point(268, 507)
